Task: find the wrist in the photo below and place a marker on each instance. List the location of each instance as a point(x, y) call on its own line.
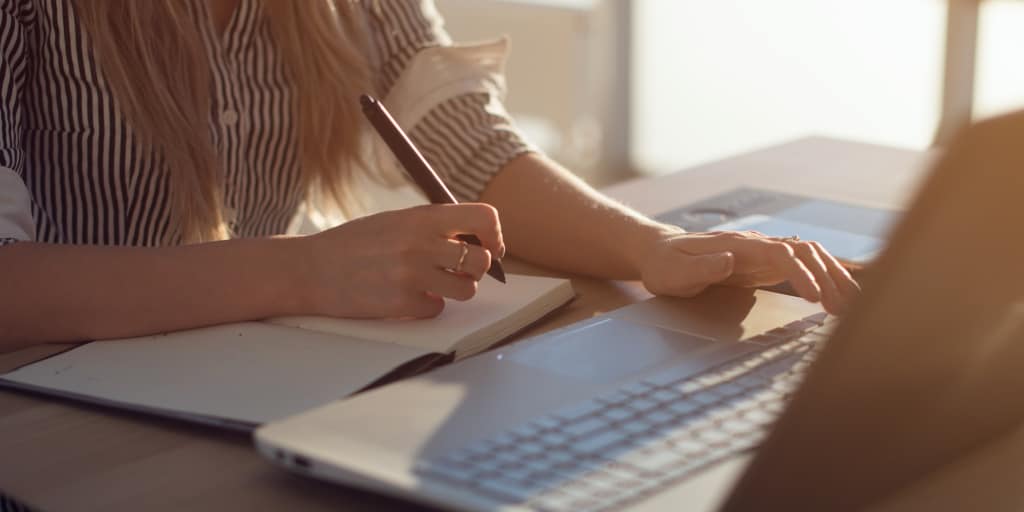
point(645, 242)
point(291, 263)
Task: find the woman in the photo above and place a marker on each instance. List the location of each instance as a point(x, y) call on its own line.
point(155, 152)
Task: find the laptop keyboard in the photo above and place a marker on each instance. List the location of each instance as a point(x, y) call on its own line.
point(621, 446)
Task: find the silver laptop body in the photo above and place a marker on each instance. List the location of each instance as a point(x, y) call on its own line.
point(658, 406)
point(608, 392)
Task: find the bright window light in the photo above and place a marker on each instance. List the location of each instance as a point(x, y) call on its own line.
point(713, 78)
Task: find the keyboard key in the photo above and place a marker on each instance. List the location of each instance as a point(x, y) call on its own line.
point(688, 387)
point(664, 396)
point(618, 413)
point(750, 381)
point(488, 466)
point(518, 473)
point(580, 410)
point(637, 389)
point(688, 446)
point(784, 386)
point(729, 389)
point(814, 338)
point(537, 468)
point(759, 417)
point(525, 430)
point(652, 461)
point(463, 457)
point(559, 456)
point(744, 403)
point(507, 458)
point(600, 442)
point(546, 422)
point(736, 426)
point(706, 398)
point(682, 408)
point(712, 436)
point(504, 439)
point(625, 474)
point(707, 381)
point(642, 404)
point(584, 427)
point(531, 448)
point(663, 379)
point(636, 426)
point(553, 439)
point(659, 417)
point(615, 397)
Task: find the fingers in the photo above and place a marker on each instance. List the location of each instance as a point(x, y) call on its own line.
point(420, 305)
point(475, 262)
point(847, 286)
point(781, 256)
point(443, 283)
point(448, 220)
point(831, 298)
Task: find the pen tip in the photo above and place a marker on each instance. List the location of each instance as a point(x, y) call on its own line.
point(366, 100)
point(496, 271)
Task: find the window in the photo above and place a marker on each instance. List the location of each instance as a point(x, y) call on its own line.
point(713, 78)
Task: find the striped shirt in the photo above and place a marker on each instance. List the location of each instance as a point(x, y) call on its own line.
point(73, 171)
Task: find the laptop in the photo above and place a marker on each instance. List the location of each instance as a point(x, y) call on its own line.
point(738, 401)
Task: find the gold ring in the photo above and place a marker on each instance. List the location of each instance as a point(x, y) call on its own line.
point(462, 257)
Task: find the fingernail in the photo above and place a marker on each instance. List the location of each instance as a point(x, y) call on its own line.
point(723, 262)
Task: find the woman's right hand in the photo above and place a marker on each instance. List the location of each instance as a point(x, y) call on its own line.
point(399, 264)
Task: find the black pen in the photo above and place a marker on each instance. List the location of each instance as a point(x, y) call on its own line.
point(417, 166)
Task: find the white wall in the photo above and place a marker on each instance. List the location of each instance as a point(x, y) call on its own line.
point(712, 78)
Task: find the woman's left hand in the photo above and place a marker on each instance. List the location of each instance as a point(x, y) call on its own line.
point(684, 264)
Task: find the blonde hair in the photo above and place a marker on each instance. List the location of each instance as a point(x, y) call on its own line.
point(153, 57)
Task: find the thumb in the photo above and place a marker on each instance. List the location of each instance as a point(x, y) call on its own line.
point(700, 271)
point(715, 266)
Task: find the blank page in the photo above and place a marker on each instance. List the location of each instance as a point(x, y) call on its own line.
point(247, 372)
point(522, 300)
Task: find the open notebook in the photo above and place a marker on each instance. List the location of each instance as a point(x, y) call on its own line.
point(241, 375)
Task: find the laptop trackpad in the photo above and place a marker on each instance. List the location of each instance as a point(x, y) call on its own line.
point(611, 349)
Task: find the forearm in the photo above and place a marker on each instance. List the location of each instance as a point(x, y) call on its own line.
point(550, 217)
point(56, 293)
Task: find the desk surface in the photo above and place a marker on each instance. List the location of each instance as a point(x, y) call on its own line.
point(59, 455)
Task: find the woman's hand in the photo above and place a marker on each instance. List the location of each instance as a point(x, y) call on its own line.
point(400, 264)
point(684, 264)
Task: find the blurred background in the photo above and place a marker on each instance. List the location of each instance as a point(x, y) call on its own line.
point(619, 88)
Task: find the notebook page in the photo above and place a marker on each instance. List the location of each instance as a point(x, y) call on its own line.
point(493, 304)
point(247, 372)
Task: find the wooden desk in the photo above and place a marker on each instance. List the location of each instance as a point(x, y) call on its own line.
point(58, 455)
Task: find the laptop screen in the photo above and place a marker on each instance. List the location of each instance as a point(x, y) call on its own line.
point(929, 363)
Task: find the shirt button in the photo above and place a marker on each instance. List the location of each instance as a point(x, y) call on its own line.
point(229, 117)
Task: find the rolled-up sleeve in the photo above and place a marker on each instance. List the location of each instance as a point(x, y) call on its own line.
point(447, 96)
point(15, 202)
